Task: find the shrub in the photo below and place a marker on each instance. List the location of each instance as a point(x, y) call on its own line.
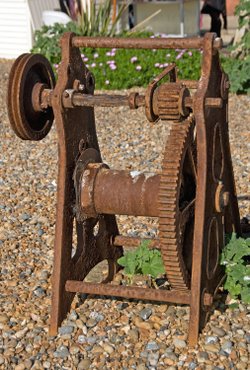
point(142, 261)
point(237, 64)
point(235, 257)
point(121, 68)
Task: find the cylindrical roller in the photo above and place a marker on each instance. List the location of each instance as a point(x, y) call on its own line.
point(105, 191)
point(141, 43)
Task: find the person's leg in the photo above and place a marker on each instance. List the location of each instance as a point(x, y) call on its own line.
point(215, 22)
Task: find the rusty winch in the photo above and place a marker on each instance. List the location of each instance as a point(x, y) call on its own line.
point(193, 197)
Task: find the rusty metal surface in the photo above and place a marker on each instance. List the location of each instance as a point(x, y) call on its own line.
point(194, 196)
point(131, 241)
point(76, 130)
point(175, 296)
point(27, 71)
point(213, 165)
point(177, 201)
point(141, 43)
point(133, 193)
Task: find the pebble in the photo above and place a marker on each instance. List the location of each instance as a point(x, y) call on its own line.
point(84, 364)
point(212, 347)
point(211, 339)
point(91, 323)
point(152, 346)
point(227, 347)
point(145, 313)
point(108, 348)
point(202, 356)
point(153, 358)
point(61, 352)
point(66, 330)
point(133, 335)
point(179, 343)
point(218, 331)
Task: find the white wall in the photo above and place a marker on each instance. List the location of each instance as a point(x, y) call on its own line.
point(15, 28)
point(18, 20)
point(168, 21)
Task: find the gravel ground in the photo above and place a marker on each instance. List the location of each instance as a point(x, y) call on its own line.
point(100, 333)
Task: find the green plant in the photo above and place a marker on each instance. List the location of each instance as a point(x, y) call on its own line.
point(239, 76)
point(142, 261)
point(235, 257)
point(95, 20)
point(237, 63)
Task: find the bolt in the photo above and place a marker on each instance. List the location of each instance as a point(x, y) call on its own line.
point(208, 299)
point(227, 84)
point(226, 197)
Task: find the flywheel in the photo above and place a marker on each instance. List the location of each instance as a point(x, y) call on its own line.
point(177, 202)
point(28, 72)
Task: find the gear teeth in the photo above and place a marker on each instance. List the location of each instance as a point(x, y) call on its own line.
point(168, 199)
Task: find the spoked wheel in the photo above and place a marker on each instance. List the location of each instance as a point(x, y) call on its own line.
point(177, 203)
point(28, 71)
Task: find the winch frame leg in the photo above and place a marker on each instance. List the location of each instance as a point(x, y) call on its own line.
point(76, 132)
point(215, 179)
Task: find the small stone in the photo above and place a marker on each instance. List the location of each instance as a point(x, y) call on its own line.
point(142, 324)
point(171, 355)
point(64, 330)
point(133, 335)
point(108, 348)
point(74, 350)
point(39, 292)
point(25, 216)
point(212, 347)
point(153, 358)
point(192, 365)
point(46, 365)
point(218, 331)
point(61, 352)
point(81, 339)
point(97, 349)
point(211, 339)
point(84, 364)
point(202, 356)
point(179, 343)
point(3, 319)
point(20, 367)
point(227, 347)
point(91, 339)
point(122, 306)
point(152, 346)
point(28, 364)
point(41, 232)
point(248, 338)
point(145, 313)
point(73, 316)
point(91, 323)
point(141, 367)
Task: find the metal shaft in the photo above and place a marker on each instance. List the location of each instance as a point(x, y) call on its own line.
point(131, 241)
point(140, 43)
point(176, 296)
point(132, 100)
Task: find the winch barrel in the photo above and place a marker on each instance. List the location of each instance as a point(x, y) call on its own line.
point(106, 191)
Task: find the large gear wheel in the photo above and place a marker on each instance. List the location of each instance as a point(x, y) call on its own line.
point(177, 201)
